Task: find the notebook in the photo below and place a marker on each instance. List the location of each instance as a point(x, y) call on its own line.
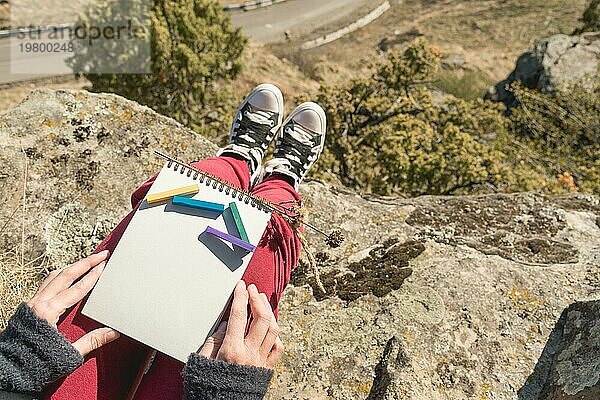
point(169, 279)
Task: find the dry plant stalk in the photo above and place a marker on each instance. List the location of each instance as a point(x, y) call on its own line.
point(19, 279)
point(295, 222)
point(312, 262)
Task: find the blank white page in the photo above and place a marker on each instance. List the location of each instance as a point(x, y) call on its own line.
point(168, 282)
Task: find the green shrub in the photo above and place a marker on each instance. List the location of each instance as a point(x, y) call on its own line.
point(590, 18)
point(387, 135)
point(193, 47)
point(561, 132)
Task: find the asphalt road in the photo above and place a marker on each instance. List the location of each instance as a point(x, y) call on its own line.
point(265, 25)
point(268, 25)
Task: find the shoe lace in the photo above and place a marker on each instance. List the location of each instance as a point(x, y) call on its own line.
point(254, 122)
point(299, 143)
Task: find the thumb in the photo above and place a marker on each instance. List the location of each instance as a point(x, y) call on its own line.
point(94, 340)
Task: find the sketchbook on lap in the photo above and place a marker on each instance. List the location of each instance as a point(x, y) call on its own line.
point(172, 273)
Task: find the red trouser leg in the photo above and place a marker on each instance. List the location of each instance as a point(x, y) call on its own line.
point(112, 369)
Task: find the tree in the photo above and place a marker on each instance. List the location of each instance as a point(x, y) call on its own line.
point(388, 134)
point(192, 47)
point(561, 132)
point(590, 18)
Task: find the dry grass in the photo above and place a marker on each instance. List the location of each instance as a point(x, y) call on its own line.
point(18, 281)
point(490, 34)
point(19, 277)
point(261, 66)
point(11, 95)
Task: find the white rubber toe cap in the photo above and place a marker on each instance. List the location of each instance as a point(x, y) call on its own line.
point(310, 116)
point(267, 97)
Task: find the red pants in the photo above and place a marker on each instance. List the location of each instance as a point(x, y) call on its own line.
point(110, 371)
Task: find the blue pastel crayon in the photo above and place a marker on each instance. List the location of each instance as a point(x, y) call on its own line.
point(198, 204)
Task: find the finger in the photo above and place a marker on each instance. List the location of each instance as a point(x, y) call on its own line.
point(78, 291)
point(213, 344)
point(49, 278)
point(40, 292)
point(261, 318)
point(238, 316)
point(95, 339)
point(73, 272)
point(275, 354)
point(272, 333)
point(265, 300)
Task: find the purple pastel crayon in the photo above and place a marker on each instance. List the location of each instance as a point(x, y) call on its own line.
point(231, 239)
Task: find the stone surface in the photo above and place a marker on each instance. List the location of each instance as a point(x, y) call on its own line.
point(552, 63)
point(471, 319)
point(4, 15)
point(86, 150)
point(428, 298)
point(569, 367)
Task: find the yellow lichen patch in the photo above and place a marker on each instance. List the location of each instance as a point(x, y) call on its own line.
point(524, 299)
point(49, 123)
point(487, 392)
point(363, 387)
point(408, 336)
point(126, 116)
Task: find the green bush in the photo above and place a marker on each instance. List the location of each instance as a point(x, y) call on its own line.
point(387, 134)
point(590, 18)
point(561, 132)
point(193, 47)
point(468, 85)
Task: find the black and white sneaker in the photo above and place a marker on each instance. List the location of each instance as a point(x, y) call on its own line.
point(300, 143)
point(255, 124)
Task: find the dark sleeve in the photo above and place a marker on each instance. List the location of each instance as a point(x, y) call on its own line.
point(33, 353)
point(206, 379)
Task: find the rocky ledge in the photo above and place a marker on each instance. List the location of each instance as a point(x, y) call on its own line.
point(482, 297)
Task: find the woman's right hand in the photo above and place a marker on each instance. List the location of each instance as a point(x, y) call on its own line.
point(63, 288)
point(261, 346)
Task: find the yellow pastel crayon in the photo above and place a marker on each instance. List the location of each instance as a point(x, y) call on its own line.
point(162, 196)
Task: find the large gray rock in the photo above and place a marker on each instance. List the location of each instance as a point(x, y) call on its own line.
point(575, 370)
point(428, 298)
point(552, 63)
point(80, 148)
point(471, 318)
point(569, 368)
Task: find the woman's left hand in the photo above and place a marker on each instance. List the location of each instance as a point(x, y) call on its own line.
point(261, 346)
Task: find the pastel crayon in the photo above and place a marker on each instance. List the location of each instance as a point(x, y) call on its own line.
point(231, 239)
point(198, 204)
point(162, 196)
point(238, 222)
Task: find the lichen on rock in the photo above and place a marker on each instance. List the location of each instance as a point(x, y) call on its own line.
point(71, 233)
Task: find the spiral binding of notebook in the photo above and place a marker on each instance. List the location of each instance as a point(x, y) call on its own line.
point(229, 189)
point(291, 213)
